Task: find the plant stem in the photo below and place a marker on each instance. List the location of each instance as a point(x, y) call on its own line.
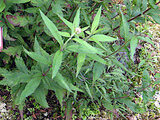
point(117, 50)
point(67, 42)
point(136, 16)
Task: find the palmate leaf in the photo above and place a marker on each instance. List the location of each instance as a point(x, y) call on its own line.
point(80, 61)
point(30, 87)
point(57, 60)
point(133, 45)
point(53, 29)
point(96, 21)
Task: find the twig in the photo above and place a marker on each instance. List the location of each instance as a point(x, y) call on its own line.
point(72, 13)
point(136, 16)
point(117, 50)
point(45, 73)
point(94, 8)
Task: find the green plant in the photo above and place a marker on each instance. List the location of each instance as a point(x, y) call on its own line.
point(81, 61)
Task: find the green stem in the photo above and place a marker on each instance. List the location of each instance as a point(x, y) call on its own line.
point(67, 42)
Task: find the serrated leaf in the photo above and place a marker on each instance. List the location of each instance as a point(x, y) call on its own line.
point(64, 34)
point(20, 65)
point(79, 49)
point(57, 60)
point(146, 79)
point(40, 96)
point(146, 39)
point(97, 58)
point(62, 82)
point(53, 29)
point(116, 62)
point(37, 57)
point(88, 90)
point(96, 20)
point(124, 27)
point(36, 46)
point(30, 88)
point(133, 45)
point(72, 87)
point(60, 92)
point(76, 19)
point(97, 71)
point(13, 50)
point(80, 60)
point(69, 24)
point(87, 45)
point(102, 38)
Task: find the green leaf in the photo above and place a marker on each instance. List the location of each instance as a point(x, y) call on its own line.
point(88, 46)
point(130, 104)
point(133, 45)
point(36, 46)
point(41, 52)
point(57, 60)
point(53, 29)
point(79, 49)
point(37, 57)
point(13, 50)
point(76, 19)
point(69, 24)
point(97, 71)
point(102, 38)
point(62, 82)
point(40, 96)
point(146, 79)
point(20, 65)
point(60, 92)
point(18, 1)
point(146, 39)
point(64, 34)
point(88, 90)
point(152, 4)
point(30, 88)
point(96, 21)
point(97, 58)
point(124, 27)
point(116, 62)
point(2, 5)
point(80, 61)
